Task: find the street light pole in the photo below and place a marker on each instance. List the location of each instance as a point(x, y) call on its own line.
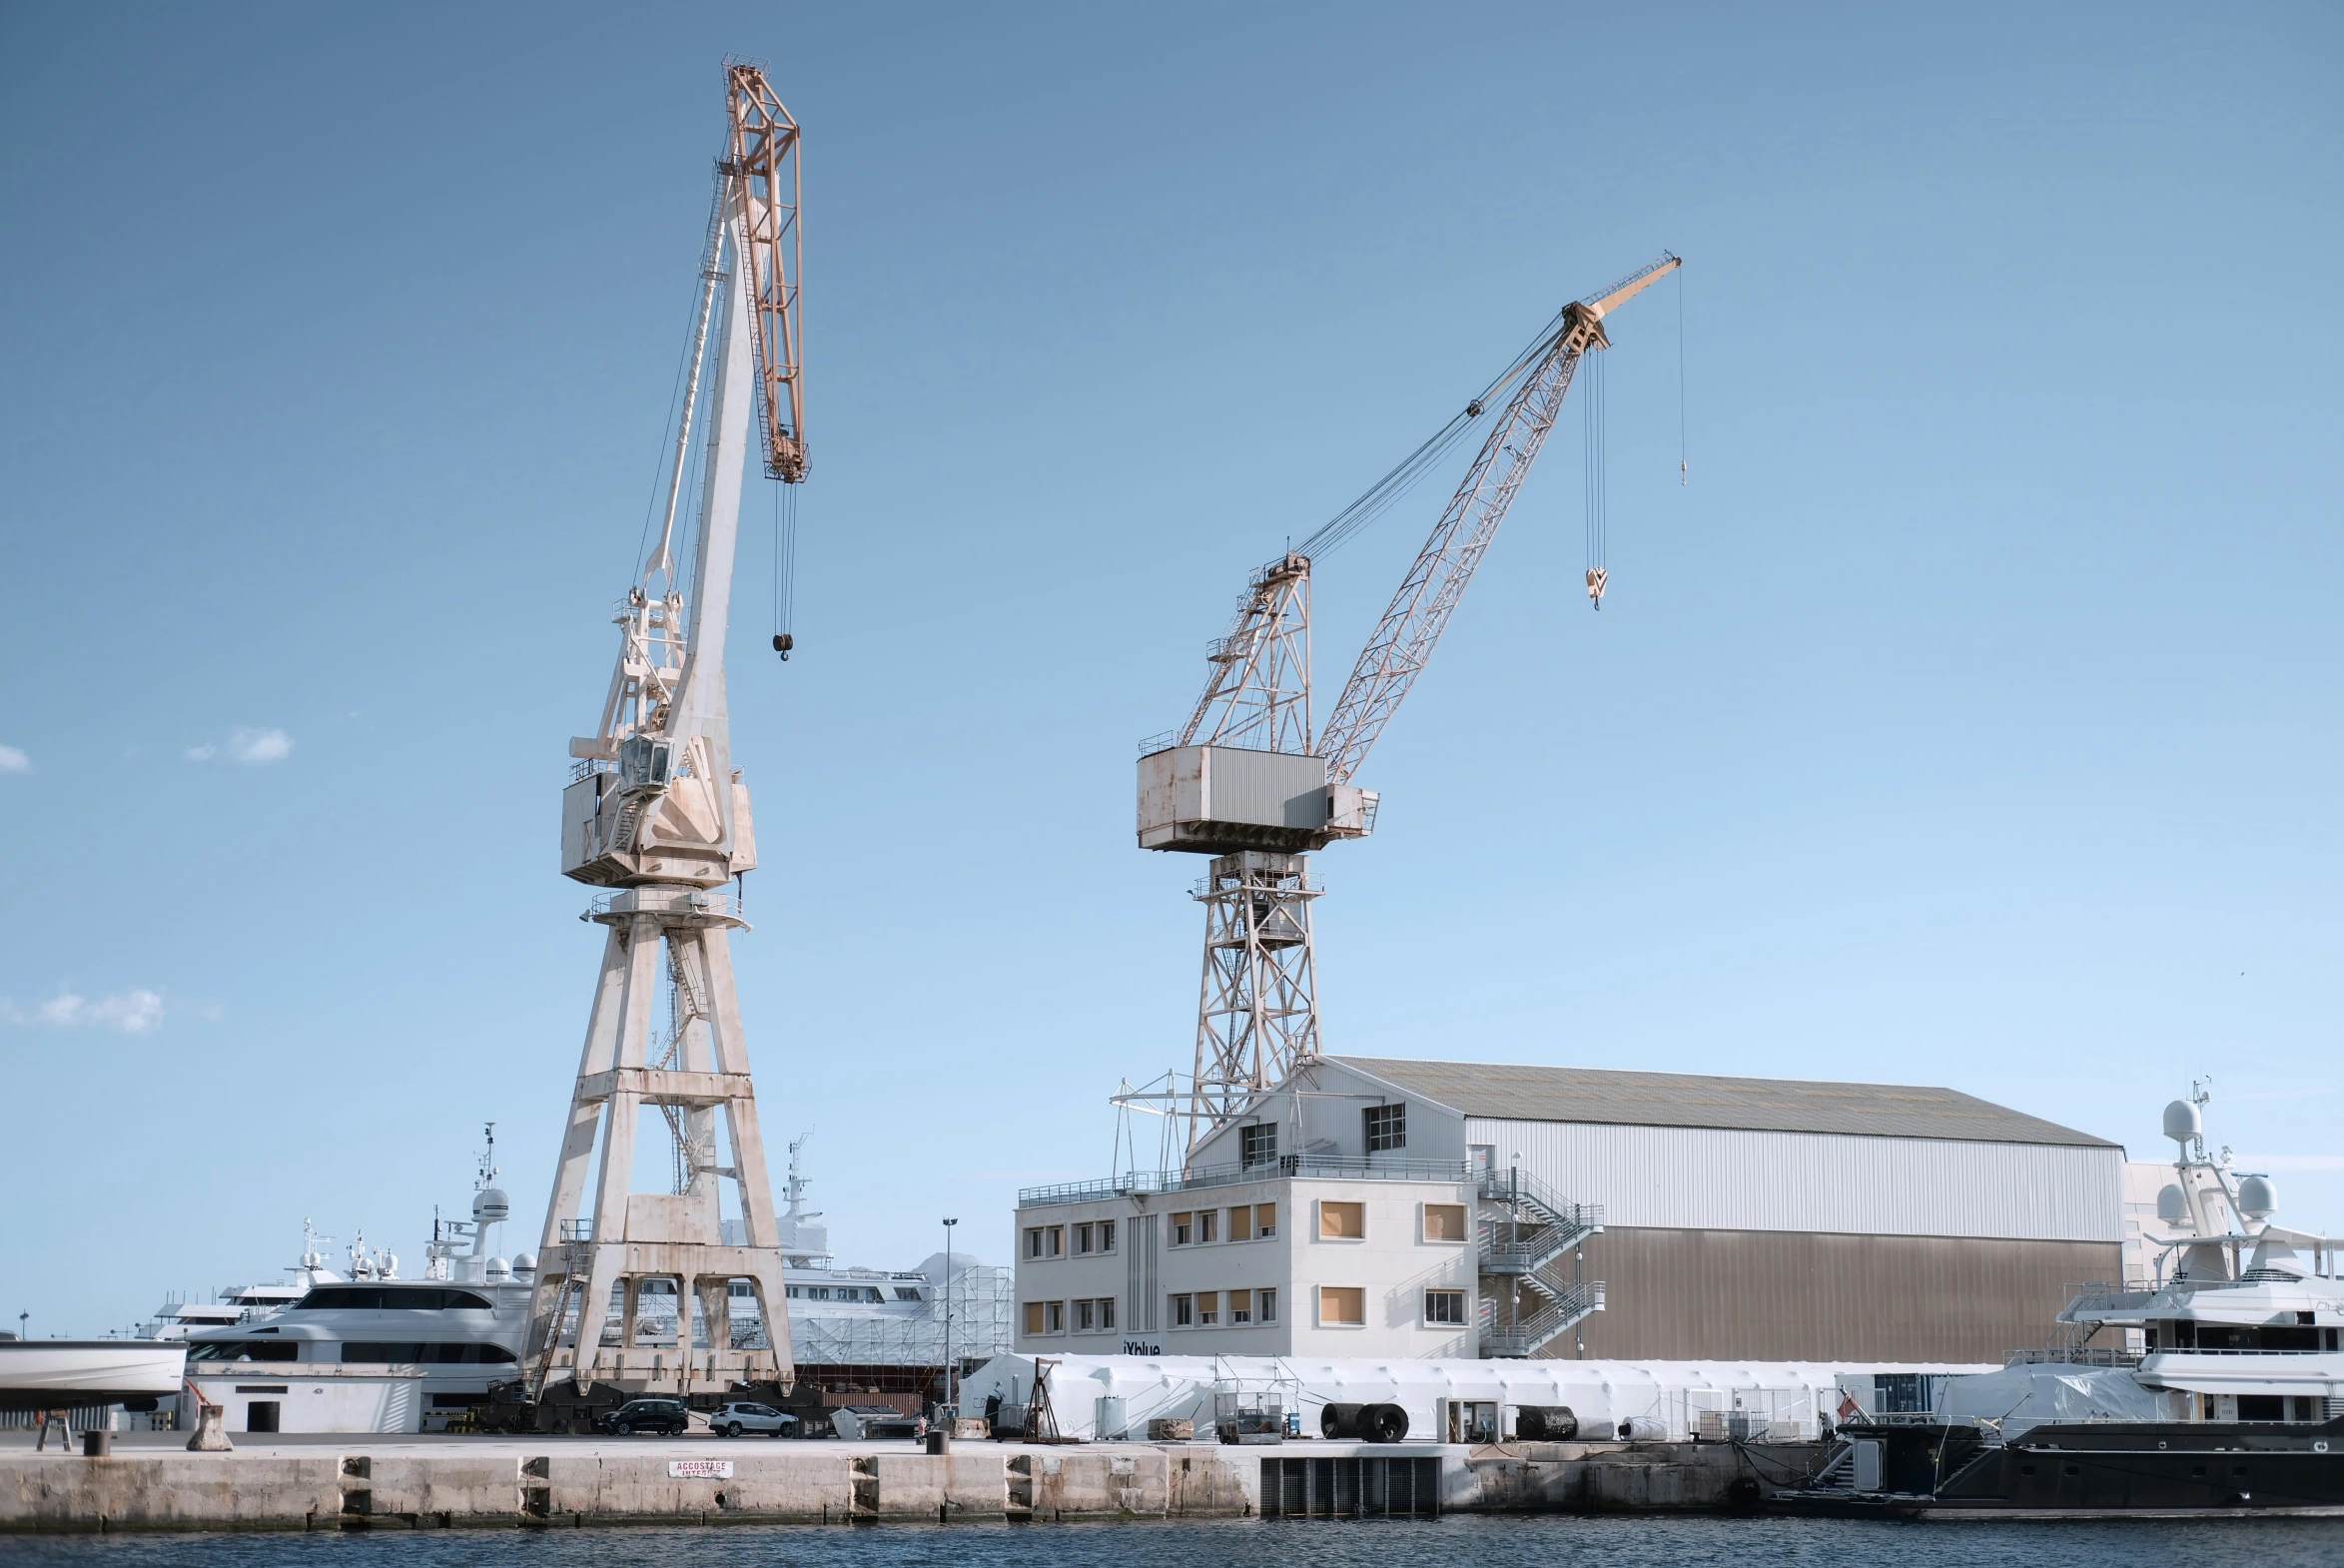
point(950, 1399)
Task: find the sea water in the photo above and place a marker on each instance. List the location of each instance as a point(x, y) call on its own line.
point(1460, 1541)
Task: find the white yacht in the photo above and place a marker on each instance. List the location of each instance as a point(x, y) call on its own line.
point(2228, 1396)
point(2239, 1321)
point(179, 1316)
point(367, 1350)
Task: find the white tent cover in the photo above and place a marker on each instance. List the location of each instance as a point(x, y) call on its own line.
point(1662, 1399)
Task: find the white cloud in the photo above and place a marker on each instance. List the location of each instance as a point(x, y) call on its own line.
point(252, 748)
point(132, 1011)
point(13, 760)
point(255, 746)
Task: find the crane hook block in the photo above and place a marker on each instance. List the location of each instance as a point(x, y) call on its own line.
point(782, 643)
point(1597, 578)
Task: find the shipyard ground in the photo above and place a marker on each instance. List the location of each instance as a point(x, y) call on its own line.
point(342, 1481)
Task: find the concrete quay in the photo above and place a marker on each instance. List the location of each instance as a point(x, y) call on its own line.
point(360, 1481)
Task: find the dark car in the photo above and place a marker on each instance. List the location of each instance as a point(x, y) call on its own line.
point(645, 1415)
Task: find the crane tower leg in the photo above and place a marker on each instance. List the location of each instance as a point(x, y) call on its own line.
point(1257, 1006)
point(674, 1240)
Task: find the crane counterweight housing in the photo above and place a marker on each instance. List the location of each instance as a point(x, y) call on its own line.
point(1217, 800)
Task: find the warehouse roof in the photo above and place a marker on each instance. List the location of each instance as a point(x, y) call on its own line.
point(1520, 1093)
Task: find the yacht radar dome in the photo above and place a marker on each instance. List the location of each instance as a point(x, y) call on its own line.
point(2172, 1206)
point(2258, 1199)
point(490, 1206)
point(2184, 1121)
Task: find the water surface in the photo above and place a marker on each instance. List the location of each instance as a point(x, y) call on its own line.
point(1460, 1541)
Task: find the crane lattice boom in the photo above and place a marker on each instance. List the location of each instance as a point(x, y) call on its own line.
point(1403, 640)
point(762, 162)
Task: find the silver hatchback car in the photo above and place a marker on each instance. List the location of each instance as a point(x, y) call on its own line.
point(733, 1419)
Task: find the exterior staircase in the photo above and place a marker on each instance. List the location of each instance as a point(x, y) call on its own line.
point(1530, 1290)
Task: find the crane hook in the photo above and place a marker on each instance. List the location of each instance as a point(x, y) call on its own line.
point(782, 643)
point(1597, 578)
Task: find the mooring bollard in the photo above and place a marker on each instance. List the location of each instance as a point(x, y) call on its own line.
point(940, 1441)
point(97, 1443)
point(211, 1431)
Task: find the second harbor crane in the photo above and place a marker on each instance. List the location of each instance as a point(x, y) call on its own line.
point(1250, 780)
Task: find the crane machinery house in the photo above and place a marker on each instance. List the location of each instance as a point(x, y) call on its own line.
point(1368, 1206)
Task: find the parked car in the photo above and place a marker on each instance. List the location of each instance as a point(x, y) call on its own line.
point(741, 1416)
point(645, 1415)
point(857, 1421)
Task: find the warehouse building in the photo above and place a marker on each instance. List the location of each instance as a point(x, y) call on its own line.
point(1378, 1206)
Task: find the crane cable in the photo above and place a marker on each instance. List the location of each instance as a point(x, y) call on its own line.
point(1411, 470)
point(785, 567)
point(1591, 409)
point(1684, 475)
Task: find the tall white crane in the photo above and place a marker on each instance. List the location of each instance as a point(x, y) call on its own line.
point(1248, 781)
point(656, 813)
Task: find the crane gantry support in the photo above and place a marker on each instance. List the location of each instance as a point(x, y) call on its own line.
point(1247, 781)
point(656, 813)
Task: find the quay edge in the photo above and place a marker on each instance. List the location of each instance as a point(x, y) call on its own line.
point(517, 1483)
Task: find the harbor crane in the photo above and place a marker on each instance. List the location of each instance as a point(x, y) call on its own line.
point(1250, 782)
point(656, 814)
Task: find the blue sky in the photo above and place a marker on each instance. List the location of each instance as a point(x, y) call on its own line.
point(1970, 719)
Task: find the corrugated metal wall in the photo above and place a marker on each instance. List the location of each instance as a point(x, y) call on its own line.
point(1708, 1178)
point(1766, 1296)
point(1277, 789)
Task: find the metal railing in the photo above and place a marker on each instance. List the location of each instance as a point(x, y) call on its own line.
point(2053, 1356)
point(1525, 1335)
point(715, 903)
point(1369, 1168)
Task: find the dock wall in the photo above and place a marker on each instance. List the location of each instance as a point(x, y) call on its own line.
point(506, 1484)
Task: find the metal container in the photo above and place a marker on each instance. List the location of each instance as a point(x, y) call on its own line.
point(1219, 799)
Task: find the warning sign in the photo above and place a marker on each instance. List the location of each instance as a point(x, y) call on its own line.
point(699, 1469)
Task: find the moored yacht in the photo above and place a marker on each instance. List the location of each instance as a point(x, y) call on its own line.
point(2225, 1395)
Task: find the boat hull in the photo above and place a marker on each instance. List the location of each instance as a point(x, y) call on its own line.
point(2101, 1470)
point(58, 1374)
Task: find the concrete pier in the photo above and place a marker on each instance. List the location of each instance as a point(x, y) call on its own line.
point(362, 1481)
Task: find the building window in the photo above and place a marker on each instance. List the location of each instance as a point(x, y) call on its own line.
point(1054, 1314)
point(1179, 1228)
point(1054, 1240)
point(1343, 1221)
point(1242, 1223)
point(1106, 1235)
point(1082, 1319)
point(1082, 1240)
point(1240, 1307)
point(1106, 1311)
point(1207, 1225)
point(1444, 1221)
point(1266, 1221)
point(1343, 1306)
point(1207, 1308)
point(1184, 1311)
point(1265, 1303)
point(1033, 1318)
point(1034, 1243)
point(1257, 1145)
point(1387, 1127)
point(1447, 1307)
